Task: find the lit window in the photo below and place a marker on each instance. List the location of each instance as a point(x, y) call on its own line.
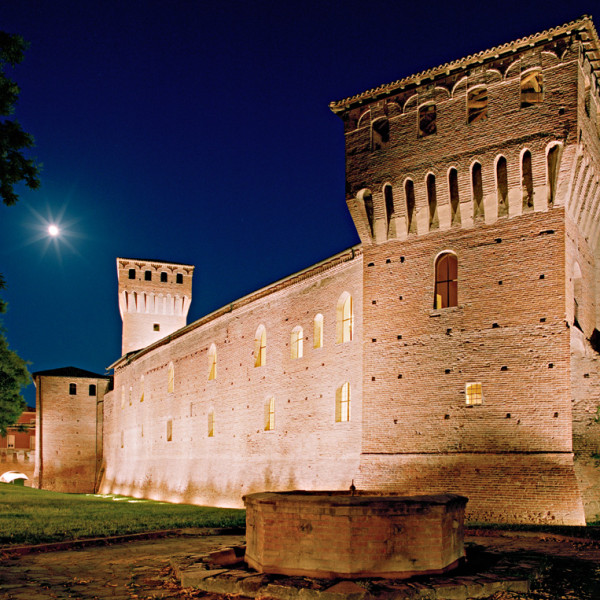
point(260, 347)
point(179, 278)
point(92, 390)
point(169, 430)
point(212, 362)
point(477, 105)
point(296, 342)
point(171, 378)
point(72, 389)
point(446, 284)
point(131, 273)
point(142, 388)
point(427, 118)
point(532, 88)
point(163, 277)
point(473, 394)
point(342, 403)
point(318, 331)
point(270, 414)
point(148, 275)
point(344, 319)
point(211, 423)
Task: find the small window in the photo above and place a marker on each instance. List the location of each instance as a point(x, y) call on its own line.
point(148, 275)
point(477, 185)
point(297, 342)
point(454, 198)
point(473, 394)
point(432, 201)
point(163, 277)
point(156, 326)
point(446, 284)
point(92, 389)
point(318, 331)
point(171, 378)
point(169, 430)
point(552, 167)
point(212, 362)
point(344, 319)
point(388, 195)
point(477, 105)
point(411, 221)
point(427, 120)
point(179, 278)
point(260, 347)
point(367, 200)
point(527, 181)
point(72, 389)
point(142, 388)
point(380, 133)
point(131, 273)
point(532, 88)
point(502, 186)
point(270, 414)
point(211, 423)
point(342, 403)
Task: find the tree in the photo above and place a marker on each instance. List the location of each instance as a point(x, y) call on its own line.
point(13, 376)
point(14, 166)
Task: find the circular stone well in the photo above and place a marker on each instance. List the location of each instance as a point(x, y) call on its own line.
point(340, 534)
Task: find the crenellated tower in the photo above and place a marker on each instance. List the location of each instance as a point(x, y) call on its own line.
point(154, 299)
point(474, 187)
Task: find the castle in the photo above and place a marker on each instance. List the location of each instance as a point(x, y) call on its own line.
point(454, 349)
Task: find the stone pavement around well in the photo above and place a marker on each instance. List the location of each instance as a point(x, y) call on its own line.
point(140, 569)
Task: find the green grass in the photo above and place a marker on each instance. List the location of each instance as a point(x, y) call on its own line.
point(30, 516)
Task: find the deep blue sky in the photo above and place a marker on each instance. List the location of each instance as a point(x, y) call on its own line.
point(199, 132)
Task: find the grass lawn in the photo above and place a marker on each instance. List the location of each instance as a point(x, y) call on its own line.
point(31, 516)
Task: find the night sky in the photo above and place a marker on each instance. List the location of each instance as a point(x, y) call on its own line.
point(199, 132)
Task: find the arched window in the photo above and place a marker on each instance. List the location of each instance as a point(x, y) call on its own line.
point(552, 167)
point(532, 88)
point(432, 201)
point(212, 362)
point(297, 342)
point(171, 380)
point(342, 403)
point(527, 181)
point(211, 423)
point(367, 200)
point(318, 331)
point(270, 414)
point(446, 284)
point(380, 133)
point(502, 186)
point(427, 120)
point(344, 319)
point(477, 104)
point(454, 199)
point(411, 221)
point(142, 388)
point(477, 185)
point(260, 347)
point(388, 196)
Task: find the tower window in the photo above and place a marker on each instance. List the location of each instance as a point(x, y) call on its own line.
point(270, 414)
point(92, 390)
point(477, 183)
point(212, 362)
point(432, 201)
point(179, 278)
point(473, 394)
point(527, 181)
point(169, 430)
point(502, 186)
point(477, 105)
point(72, 389)
point(297, 342)
point(454, 199)
point(211, 423)
point(553, 161)
point(171, 378)
point(380, 133)
point(532, 88)
point(148, 275)
point(342, 403)
point(163, 277)
point(318, 331)
point(388, 195)
point(260, 347)
point(131, 273)
point(367, 200)
point(411, 222)
point(446, 284)
point(427, 120)
point(344, 319)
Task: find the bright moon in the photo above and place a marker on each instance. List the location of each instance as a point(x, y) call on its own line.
point(53, 230)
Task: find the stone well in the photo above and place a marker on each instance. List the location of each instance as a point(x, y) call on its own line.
point(339, 534)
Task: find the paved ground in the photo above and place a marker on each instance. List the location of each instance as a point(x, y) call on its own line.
point(140, 569)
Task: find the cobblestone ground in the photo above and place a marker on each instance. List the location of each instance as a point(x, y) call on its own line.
point(138, 569)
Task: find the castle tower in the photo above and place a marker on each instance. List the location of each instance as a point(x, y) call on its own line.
point(474, 187)
point(154, 299)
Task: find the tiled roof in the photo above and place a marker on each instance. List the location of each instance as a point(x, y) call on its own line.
point(584, 25)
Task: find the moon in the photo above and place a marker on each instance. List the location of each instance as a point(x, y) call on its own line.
point(53, 230)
